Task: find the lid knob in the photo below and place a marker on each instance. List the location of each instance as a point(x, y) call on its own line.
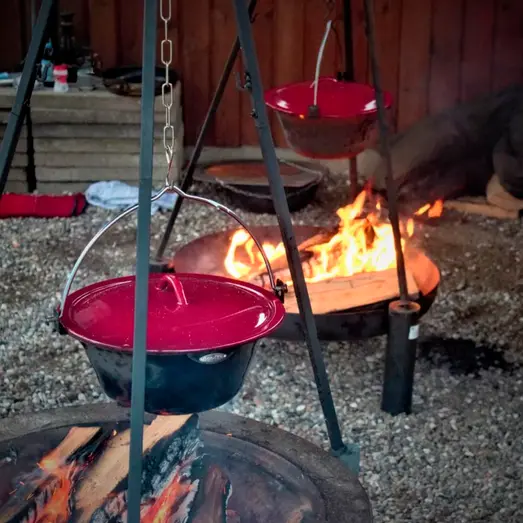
point(171, 283)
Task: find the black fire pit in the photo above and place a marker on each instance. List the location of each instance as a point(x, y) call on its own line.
point(274, 476)
point(207, 254)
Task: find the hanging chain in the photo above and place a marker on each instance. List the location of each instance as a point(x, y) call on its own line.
point(166, 56)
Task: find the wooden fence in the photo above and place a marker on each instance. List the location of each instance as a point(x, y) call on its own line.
point(433, 53)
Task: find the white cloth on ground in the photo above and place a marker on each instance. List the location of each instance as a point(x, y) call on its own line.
point(116, 195)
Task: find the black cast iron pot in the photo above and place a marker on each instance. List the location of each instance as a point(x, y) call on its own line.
point(175, 384)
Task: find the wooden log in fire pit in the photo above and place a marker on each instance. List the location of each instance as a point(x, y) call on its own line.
point(39, 487)
point(345, 293)
point(105, 475)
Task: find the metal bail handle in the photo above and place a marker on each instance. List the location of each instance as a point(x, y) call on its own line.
point(277, 286)
point(314, 109)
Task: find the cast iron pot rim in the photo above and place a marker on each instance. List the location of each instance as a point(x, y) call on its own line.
point(328, 474)
point(181, 352)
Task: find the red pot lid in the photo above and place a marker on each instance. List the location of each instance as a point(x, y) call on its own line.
point(187, 312)
point(336, 99)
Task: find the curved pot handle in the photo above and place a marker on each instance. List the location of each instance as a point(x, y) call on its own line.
point(277, 286)
point(313, 110)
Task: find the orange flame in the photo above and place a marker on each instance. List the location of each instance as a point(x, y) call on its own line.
point(57, 509)
point(364, 243)
point(434, 210)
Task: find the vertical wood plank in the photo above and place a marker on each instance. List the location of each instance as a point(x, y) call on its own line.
point(414, 62)
point(288, 48)
point(195, 64)
point(447, 21)
point(508, 44)
point(227, 119)
point(263, 36)
point(131, 30)
point(104, 31)
point(477, 48)
point(388, 33)
point(10, 35)
point(359, 43)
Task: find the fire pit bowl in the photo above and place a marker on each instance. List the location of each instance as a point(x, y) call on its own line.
point(340, 125)
point(275, 477)
point(208, 253)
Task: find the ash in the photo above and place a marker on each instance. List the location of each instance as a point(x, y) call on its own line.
point(458, 458)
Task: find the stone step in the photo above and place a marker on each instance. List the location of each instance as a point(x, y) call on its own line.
point(83, 116)
point(105, 160)
point(77, 99)
point(85, 174)
point(93, 131)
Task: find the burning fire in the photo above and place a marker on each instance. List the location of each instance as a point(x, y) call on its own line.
point(364, 243)
point(57, 508)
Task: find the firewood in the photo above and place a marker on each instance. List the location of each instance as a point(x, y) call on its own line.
point(107, 473)
point(41, 484)
point(482, 207)
point(354, 291)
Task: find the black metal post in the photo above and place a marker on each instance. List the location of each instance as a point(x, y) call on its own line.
point(143, 241)
point(30, 150)
point(350, 457)
point(400, 357)
point(187, 177)
point(348, 74)
point(25, 89)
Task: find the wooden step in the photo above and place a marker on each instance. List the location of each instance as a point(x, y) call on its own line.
point(84, 99)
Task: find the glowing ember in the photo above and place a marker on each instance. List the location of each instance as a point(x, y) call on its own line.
point(164, 507)
point(364, 243)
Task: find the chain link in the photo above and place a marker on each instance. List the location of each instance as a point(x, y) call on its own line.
point(166, 56)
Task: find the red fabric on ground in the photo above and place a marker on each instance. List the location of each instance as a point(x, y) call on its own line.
point(41, 206)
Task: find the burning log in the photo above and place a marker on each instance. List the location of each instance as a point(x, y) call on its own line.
point(349, 292)
point(108, 473)
point(482, 207)
point(75, 482)
point(46, 490)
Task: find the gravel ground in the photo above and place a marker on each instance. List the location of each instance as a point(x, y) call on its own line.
point(458, 458)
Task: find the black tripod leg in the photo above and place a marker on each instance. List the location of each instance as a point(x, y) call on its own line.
point(187, 177)
point(338, 447)
point(24, 92)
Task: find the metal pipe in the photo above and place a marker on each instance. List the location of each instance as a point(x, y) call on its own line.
point(187, 177)
point(30, 169)
point(24, 91)
point(143, 241)
point(392, 197)
point(285, 223)
point(400, 357)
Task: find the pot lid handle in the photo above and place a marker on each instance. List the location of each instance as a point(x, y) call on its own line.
point(171, 282)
